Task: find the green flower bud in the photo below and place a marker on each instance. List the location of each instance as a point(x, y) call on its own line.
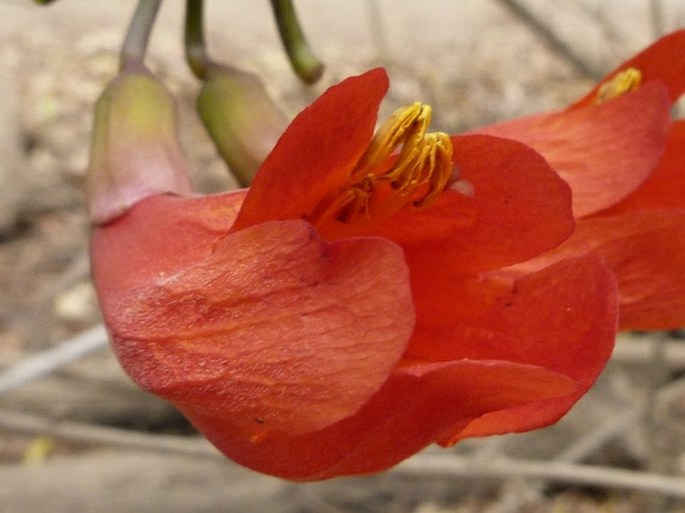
point(241, 118)
point(135, 150)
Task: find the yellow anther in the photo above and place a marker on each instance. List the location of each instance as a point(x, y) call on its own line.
point(352, 201)
point(384, 179)
point(403, 125)
point(443, 170)
point(623, 82)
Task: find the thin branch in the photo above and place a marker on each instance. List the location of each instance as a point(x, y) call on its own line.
point(629, 349)
point(431, 465)
point(520, 492)
point(637, 349)
point(550, 39)
point(659, 458)
point(75, 432)
point(672, 391)
point(596, 438)
point(46, 362)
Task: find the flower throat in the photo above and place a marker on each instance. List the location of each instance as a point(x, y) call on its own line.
point(383, 181)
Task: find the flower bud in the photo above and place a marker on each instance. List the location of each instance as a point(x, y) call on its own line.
point(241, 118)
point(135, 150)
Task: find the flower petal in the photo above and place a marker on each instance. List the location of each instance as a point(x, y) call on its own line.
point(520, 208)
point(562, 318)
point(271, 327)
point(604, 152)
point(663, 61)
point(645, 251)
point(414, 407)
point(159, 236)
point(665, 187)
point(317, 152)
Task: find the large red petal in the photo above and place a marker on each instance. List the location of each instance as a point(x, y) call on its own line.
point(520, 208)
point(604, 152)
point(160, 235)
point(270, 326)
point(317, 152)
point(645, 251)
point(665, 187)
point(663, 61)
point(417, 404)
point(562, 318)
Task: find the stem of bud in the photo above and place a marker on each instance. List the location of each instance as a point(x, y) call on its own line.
point(303, 61)
point(194, 39)
point(135, 44)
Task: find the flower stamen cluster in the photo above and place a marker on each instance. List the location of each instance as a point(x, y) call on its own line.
point(383, 181)
point(623, 82)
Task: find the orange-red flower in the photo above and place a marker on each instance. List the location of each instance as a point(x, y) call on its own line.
point(348, 309)
point(624, 160)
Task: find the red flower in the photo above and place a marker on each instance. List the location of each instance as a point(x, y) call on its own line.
point(623, 158)
point(347, 310)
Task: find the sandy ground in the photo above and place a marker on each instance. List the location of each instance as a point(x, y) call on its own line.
point(469, 58)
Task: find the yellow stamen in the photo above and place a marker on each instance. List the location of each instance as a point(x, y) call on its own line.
point(623, 82)
point(384, 181)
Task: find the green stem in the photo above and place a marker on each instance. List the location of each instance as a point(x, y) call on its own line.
point(194, 39)
point(303, 61)
point(136, 40)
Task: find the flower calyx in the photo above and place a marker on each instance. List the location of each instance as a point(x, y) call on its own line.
point(135, 149)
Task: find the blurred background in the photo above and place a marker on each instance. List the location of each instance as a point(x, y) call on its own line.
point(85, 439)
